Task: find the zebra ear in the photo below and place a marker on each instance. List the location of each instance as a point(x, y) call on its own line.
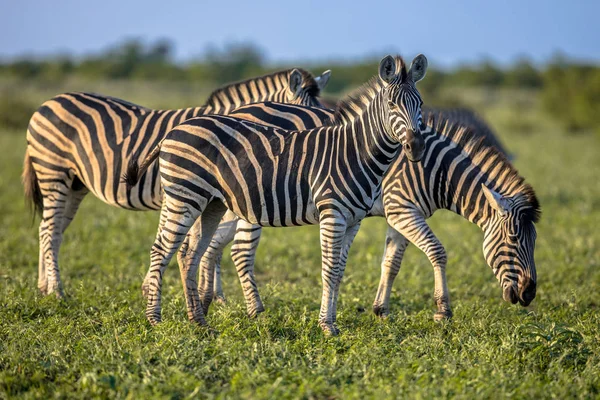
point(418, 68)
point(295, 81)
point(323, 79)
point(387, 69)
point(496, 200)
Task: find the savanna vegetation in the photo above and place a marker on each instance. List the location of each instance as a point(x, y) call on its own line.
point(97, 343)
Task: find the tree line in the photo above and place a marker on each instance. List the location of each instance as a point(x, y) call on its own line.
point(569, 91)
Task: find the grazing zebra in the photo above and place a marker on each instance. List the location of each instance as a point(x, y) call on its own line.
point(459, 172)
point(246, 236)
point(271, 177)
point(82, 142)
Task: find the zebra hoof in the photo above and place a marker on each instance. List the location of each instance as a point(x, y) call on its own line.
point(220, 299)
point(57, 292)
point(442, 316)
point(205, 304)
point(254, 313)
point(154, 319)
point(330, 329)
point(380, 311)
point(199, 320)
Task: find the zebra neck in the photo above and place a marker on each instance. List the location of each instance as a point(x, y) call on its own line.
point(368, 131)
point(463, 192)
point(473, 205)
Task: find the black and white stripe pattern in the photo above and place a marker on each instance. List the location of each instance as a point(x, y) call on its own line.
point(246, 236)
point(271, 177)
point(458, 153)
point(463, 173)
point(83, 142)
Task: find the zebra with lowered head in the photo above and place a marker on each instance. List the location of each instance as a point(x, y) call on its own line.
point(459, 172)
point(82, 142)
point(272, 177)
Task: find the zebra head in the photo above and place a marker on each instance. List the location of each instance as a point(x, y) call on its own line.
point(403, 111)
point(509, 242)
point(304, 89)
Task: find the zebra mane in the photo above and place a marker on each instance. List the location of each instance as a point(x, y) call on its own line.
point(308, 83)
point(357, 101)
point(488, 157)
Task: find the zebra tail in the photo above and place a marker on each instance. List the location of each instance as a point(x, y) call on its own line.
point(31, 187)
point(135, 171)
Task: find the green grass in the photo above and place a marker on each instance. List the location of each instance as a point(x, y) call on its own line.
point(97, 343)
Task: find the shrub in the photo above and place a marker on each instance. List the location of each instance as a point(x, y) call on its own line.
point(571, 94)
point(15, 112)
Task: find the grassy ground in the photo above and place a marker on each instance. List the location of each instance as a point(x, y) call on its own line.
point(97, 342)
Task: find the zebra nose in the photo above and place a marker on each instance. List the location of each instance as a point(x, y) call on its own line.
point(414, 146)
point(527, 291)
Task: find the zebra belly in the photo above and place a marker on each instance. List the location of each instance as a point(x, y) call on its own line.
point(286, 215)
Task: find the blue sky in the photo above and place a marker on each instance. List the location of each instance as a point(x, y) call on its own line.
point(448, 32)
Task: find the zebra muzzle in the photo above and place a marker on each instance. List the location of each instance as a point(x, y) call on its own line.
point(414, 146)
point(510, 294)
point(527, 292)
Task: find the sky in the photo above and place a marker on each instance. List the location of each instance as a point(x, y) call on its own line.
point(447, 32)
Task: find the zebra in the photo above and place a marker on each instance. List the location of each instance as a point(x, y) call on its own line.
point(82, 142)
point(462, 173)
point(272, 177)
point(457, 152)
point(246, 236)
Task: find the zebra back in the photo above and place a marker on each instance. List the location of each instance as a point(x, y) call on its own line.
point(91, 139)
point(293, 86)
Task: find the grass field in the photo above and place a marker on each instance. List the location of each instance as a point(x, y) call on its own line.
point(97, 343)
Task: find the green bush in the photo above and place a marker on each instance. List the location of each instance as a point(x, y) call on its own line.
point(571, 94)
point(15, 112)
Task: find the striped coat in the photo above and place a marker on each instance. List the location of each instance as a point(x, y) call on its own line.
point(408, 199)
point(328, 175)
point(81, 142)
point(245, 236)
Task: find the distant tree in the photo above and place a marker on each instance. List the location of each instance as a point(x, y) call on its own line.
point(571, 94)
point(524, 75)
point(489, 74)
point(236, 61)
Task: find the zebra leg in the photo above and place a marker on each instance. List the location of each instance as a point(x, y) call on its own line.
point(65, 209)
point(198, 243)
point(210, 255)
point(224, 235)
point(332, 232)
point(73, 202)
point(175, 221)
point(416, 230)
point(219, 296)
point(55, 195)
point(243, 253)
point(42, 277)
point(161, 225)
point(348, 239)
point(395, 245)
